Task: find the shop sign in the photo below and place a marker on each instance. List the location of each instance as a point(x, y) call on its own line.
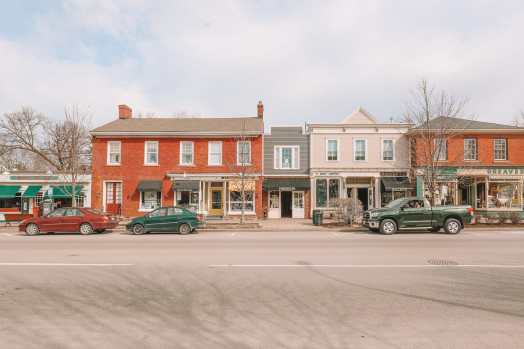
point(506, 171)
point(287, 188)
point(237, 185)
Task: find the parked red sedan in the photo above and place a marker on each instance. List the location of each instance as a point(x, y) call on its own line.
point(67, 219)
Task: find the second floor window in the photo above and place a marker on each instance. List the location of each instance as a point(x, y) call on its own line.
point(388, 151)
point(360, 150)
point(114, 152)
point(186, 153)
point(243, 152)
point(214, 156)
point(470, 149)
point(440, 149)
point(332, 150)
point(500, 149)
point(287, 157)
point(151, 153)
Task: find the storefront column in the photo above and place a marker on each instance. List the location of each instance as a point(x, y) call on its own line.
point(378, 203)
point(420, 187)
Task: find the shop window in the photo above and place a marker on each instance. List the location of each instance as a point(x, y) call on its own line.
point(287, 157)
point(470, 149)
point(186, 153)
point(235, 201)
point(321, 193)
point(500, 149)
point(114, 152)
point(440, 149)
point(274, 199)
point(388, 150)
point(151, 153)
point(445, 193)
point(150, 199)
point(298, 199)
point(187, 198)
point(360, 150)
point(332, 150)
point(334, 190)
point(505, 195)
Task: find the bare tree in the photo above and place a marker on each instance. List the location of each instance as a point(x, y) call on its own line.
point(63, 145)
point(435, 116)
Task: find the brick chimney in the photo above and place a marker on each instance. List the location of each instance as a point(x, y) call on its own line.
point(124, 112)
point(260, 110)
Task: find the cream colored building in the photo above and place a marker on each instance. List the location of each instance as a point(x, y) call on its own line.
point(359, 158)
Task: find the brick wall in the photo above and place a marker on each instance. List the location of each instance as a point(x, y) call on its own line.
point(132, 169)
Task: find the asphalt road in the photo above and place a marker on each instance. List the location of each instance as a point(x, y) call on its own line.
point(263, 290)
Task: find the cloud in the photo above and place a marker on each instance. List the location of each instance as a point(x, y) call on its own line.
point(308, 61)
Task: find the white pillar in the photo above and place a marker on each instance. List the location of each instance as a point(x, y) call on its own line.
point(378, 202)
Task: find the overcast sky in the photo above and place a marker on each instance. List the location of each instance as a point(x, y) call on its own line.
point(308, 61)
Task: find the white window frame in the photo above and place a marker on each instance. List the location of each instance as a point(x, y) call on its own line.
point(475, 154)
point(209, 144)
point(327, 149)
point(146, 162)
point(109, 163)
point(238, 153)
point(505, 149)
point(436, 146)
point(295, 151)
point(182, 163)
point(382, 149)
point(355, 149)
point(234, 212)
point(142, 209)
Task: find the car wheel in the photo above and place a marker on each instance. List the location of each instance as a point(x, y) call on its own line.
point(86, 229)
point(452, 226)
point(32, 229)
point(184, 229)
point(138, 229)
point(388, 227)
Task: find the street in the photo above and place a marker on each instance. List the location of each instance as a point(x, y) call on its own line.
point(240, 289)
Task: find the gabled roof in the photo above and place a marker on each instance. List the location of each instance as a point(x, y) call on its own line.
point(182, 126)
point(449, 123)
point(359, 117)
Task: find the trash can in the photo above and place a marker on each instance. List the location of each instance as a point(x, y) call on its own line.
point(317, 217)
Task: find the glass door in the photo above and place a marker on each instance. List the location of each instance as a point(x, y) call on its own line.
point(298, 204)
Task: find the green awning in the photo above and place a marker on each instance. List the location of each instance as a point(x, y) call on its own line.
point(64, 191)
point(286, 183)
point(391, 183)
point(31, 191)
point(150, 185)
point(186, 185)
point(9, 191)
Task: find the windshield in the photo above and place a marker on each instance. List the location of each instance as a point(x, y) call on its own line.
point(395, 203)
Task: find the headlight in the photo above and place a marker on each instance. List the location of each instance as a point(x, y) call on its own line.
point(373, 215)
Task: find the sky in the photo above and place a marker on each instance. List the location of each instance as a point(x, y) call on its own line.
point(308, 61)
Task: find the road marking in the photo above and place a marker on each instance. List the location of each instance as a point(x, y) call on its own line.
point(506, 266)
point(17, 264)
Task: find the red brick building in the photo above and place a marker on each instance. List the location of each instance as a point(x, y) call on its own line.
point(479, 163)
point(142, 163)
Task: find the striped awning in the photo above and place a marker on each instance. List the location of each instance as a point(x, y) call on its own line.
point(9, 191)
point(31, 191)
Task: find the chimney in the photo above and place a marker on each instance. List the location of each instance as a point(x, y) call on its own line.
point(260, 110)
point(124, 112)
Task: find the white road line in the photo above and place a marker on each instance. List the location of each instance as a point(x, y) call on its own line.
point(505, 266)
point(16, 264)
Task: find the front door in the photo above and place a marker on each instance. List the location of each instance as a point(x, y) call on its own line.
point(363, 197)
point(285, 198)
point(72, 219)
point(217, 203)
point(114, 197)
point(298, 204)
point(53, 221)
point(274, 204)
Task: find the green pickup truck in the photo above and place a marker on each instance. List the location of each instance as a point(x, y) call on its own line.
point(417, 214)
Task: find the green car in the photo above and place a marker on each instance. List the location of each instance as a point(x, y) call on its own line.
point(417, 214)
point(166, 219)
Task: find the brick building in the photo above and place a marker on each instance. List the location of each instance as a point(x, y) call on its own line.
point(142, 163)
point(479, 163)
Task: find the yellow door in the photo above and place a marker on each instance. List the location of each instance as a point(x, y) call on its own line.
point(217, 203)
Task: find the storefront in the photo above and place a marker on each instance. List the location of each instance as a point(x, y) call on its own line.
point(287, 197)
point(395, 186)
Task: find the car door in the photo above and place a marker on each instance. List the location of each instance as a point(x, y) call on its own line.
point(415, 214)
point(155, 220)
point(53, 221)
point(174, 216)
point(71, 220)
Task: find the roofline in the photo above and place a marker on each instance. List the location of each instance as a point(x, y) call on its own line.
point(466, 130)
point(174, 133)
point(384, 125)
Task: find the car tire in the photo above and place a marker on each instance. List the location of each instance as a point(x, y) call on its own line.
point(388, 227)
point(32, 229)
point(138, 229)
point(452, 226)
point(184, 229)
point(86, 229)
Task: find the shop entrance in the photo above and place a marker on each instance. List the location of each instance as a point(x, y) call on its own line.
point(363, 197)
point(286, 204)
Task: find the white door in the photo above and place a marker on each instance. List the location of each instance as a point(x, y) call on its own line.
point(298, 204)
point(274, 204)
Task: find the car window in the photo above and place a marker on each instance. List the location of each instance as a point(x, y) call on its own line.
point(73, 212)
point(414, 204)
point(395, 203)
point(160, 212)
point(59, 212)
point(174, 211)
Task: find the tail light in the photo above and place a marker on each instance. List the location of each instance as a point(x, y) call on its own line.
point(470, 210)
point(200, 217)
